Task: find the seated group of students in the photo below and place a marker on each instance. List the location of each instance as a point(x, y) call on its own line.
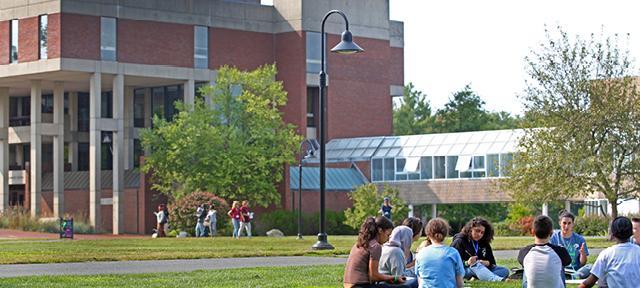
point(382, 255)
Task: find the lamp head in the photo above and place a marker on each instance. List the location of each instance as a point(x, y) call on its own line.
point(347, 46)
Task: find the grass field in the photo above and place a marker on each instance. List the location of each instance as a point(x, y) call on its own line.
point(59, 251)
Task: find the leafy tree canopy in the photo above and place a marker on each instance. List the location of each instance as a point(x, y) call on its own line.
point(367, 201)
point(235, 147)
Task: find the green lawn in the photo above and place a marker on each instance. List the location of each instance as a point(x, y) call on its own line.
point(58, 251)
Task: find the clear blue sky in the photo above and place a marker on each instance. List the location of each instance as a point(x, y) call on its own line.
point(449, 44)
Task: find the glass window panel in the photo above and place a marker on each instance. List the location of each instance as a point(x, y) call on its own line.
point(478, 174)
point(83, 156)
point(493, 162)
point(413, 176)
point(107, 105)
point(400, 162)
point(171, 97)
point(505, 164)
point(430, 150)
point(426, 167)
point(14, 41)
point(47, 103)
point(389, 172)
point(478, 162)
point(463, 163)
point(353, 143)
point(466, 174)
point(418, 151)
point(157, 102)
point(83, 112)
point(393, 152)
point(413, 140)
point(439, 167)
point(108, 38)
point(364, 143)
point(201, 47)
point(456, 149)
point(443, 149)
point(382, 152)
point(451, 167)
point(376, 169)
point(401, 176)
point(357, 153)
point(313, 44)
point(43, 35)
point(375, 142)
point(138, 108)
point(389, 142)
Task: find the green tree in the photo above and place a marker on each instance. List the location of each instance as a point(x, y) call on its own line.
point(367, 201)
point(235, 148)
point(413, 114)
point(584, 110)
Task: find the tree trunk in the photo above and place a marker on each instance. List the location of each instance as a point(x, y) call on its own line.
point(614, 208)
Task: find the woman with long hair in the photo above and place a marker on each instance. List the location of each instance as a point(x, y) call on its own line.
point(236, 217)
point(474, 245)
point(361, 269)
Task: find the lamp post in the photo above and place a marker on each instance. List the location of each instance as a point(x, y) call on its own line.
point(309, 152)
point(346, 46)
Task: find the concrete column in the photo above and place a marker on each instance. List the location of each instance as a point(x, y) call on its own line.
point(128, 127)
point(36, 147)
point(4, 148)
point(118, 155)
point(95, 155)
point(410, 210)
point(73, 129)
point(58, 150)
point(189, 94)
point(567, 205)
point(545, 209)
point(434, 210)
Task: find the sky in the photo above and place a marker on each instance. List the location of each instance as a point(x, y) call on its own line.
point(452, 43)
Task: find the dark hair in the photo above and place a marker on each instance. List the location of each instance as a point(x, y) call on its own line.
point(635, 219)
point(477, 222)
point(415, 224)
point(542, 226)
point(566, 214)
point(369, 230)
point(438, 229)
point(621, 228)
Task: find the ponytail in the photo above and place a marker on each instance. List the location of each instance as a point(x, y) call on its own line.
point(369, 230)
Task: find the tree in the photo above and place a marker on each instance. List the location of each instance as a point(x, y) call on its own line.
point(367, 201)
point(236, 148)
point(413, 114)
point(586, 110)
point(464, 112)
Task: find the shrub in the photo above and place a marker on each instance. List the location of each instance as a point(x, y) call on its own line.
point(182, 213)
point(287, 222)
point(592, 225)
point(522, 226)
point(367, 201)
point(20, 219)
point(502, 229)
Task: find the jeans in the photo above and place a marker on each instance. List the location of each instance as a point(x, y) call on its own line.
point(236, 227)
point(212, 228)
point(484, 273)
point(199, 229)
point(583, 272)
point(246, 226)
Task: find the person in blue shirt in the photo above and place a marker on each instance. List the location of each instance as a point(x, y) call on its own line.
point(385, 209)
point(574, 243)
point(438, 265)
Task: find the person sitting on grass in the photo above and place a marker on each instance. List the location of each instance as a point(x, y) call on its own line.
point(473, 244)
point(393, 258)
point(361, 269)
point(619, 265)
point(417, 226)
point(574, 243)
point(635, 239)
point(542, 261)
point(438, 265)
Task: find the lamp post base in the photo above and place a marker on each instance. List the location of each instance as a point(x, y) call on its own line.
point(322, 243)
point(299, 236)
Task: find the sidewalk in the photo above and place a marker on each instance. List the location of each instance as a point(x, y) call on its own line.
point(19, 234)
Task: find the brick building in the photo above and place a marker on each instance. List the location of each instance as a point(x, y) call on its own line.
point(80, 78)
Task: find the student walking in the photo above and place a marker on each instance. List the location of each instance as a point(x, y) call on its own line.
point(245, 219)
point(161, 219)
point(542, 261)
point(212, 220)
point(619, 265)
point(235, 215)
point(438, 265)
point(200, 215)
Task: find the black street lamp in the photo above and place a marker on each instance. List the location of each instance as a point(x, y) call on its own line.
point(346, 46)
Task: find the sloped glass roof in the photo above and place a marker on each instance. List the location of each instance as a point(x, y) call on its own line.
point(443, 144)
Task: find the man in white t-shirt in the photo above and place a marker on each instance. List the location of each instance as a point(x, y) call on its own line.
point(542, 261)
point(619, 265)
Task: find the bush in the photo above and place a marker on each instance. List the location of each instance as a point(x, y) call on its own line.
point(592, 225)
point(367, 201)
point(523, 226)
point(502, 229)
point(19, 218)
point(182, 213)
point(287, 222)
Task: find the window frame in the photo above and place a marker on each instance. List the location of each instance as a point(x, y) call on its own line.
point(200, 60)
point(43, 42)
point(104, 38)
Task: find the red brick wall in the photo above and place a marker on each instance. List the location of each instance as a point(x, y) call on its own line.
point(396, 69)
point(243, 49)
point(53, 32)
point(334, 201)
point(291, 64)
point(358, 96)
point(28, 39)
point(4, 42)
point(74, 27)
point(157, 43)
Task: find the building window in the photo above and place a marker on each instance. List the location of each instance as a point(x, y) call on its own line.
point(47, 103)
point(137, 152)
point(138, 108)
point(108, 38)
point(106, 150)
point(43, 35)
point(439, 167)
point(493, 165)
point(426, 167)
point(376, 169)
point(201, 46)
point(163, 101)
point(505, 164)
point(312, 103)
point(19, 111)
point(13, 57)
point(452, 172)
point(83, 156)
point(478, 167)
point(107, 105)
point(388, 172)
point(83, 113)
point(313, 52)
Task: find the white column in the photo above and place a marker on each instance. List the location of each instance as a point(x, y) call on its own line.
point(189, 95)
point(95, 145)
point(118, 155)
point(58, 150)
point(434, 210)
point(410, 210)
point(567, 205)
point(128, 127)
point(73, 129)
point(4, 148)
point(545, 209)
point(36, 147)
